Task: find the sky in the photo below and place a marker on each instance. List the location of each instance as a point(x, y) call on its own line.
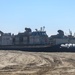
point(15, 15)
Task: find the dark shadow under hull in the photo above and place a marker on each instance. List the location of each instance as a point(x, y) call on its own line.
point(55, 48)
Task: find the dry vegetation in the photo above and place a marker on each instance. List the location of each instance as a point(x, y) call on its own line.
point(34, 63)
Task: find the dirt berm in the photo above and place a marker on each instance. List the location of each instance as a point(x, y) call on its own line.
point(36, 63)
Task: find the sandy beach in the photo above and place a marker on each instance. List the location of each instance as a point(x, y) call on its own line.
point(36, 63)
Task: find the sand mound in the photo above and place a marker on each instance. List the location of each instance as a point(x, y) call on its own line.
point(33, 63)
